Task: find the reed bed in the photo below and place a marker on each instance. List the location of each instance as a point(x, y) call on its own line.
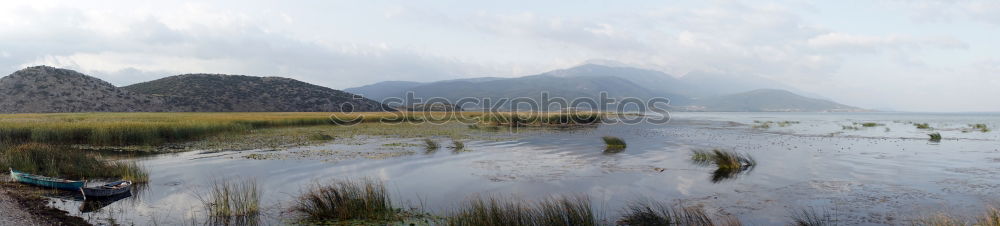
point(233, 202)
point(657, 213)
point(122, 129)
point(54, 161)
point(503, 211)
point(524, 119)
point(990, 218)
point(347, 200)
point(810, 217)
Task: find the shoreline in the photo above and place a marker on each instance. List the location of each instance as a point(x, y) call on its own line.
point(21, 205)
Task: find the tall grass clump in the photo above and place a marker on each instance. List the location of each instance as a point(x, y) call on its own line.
point(870, 124)
point(657, 213)
point(728, 164)
point(980, 127)
point(346, 200)
point(935, 137)
point(922, 125)
point(54, 161)
point(457, 145)
point(613, 144)
point(233, 200)
point(503, 211)
point(430, 144)
point(810, 217)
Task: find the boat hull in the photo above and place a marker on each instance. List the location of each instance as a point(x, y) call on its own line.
point(48, 182)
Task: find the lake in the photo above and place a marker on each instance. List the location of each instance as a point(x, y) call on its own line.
point(888, 173)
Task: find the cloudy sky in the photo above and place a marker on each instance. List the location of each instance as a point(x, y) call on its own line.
point(931, 55)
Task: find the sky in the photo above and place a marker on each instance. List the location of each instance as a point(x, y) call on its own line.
point(907, 55)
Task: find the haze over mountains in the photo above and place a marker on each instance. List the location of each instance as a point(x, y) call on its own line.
point(695, 92)
point(43, 89)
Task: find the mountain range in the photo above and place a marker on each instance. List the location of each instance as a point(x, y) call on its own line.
point(697, 91)
point(43, 89)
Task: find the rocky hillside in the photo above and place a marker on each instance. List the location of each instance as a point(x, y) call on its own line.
point(43, 89)
point(238, 93)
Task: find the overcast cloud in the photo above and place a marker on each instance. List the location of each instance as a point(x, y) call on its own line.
point(903, 55)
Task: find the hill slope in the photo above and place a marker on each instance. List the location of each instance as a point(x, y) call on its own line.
point(769, 100)
point(43, 89)
point(238, 93)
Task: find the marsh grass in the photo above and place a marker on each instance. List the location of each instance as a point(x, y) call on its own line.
point(124, 129)
point(657, 213)
point(430, 144)
point(935, 137)
point(233, 202)
point(810, 217)
point(728, 165)
point(990, 218)
point(922, 125)
point(980, 127)
point(56, 161)
point(457, 146)
point(870, 124)
point(540, 119)
point(613, 144)
point(320, 137)
point(347, 200)
point(504, 211)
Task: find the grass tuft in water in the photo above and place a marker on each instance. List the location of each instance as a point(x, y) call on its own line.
point(228, 199)
point(728, 165)
point(870, 124)
point(320, 137)
point(657, 213)
point(935, 137)
point(613, 144)
point(347, 200)
point(810, 217)
point(457, 146)
point(922, 125)
point(431, 145)
point(980, 127)
point(503, 211)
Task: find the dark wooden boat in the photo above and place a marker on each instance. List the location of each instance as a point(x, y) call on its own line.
point(109, 189)
point(49, 182)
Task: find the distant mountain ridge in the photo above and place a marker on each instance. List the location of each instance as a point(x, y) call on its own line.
point(699, 92)
point(44, 89)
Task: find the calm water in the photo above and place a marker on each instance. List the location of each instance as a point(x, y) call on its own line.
point(866, 176)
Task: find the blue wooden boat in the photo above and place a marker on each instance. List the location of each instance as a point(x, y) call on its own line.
point(49, 182)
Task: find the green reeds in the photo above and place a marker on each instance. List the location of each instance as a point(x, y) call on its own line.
point(430, 144)
point(613, 144)
point(922, 125)
point(233, 199)
point(728, 165)
point(870, 124)
point(55, 161)
point(810, 217)
point(457, 146)
point(346, 200)
point(657, 213)
point(935, 137)
point(980, 127)
point(990, 218)
point(503, 211)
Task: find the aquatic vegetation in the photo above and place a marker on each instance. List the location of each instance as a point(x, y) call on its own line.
point(810, 217)
point(763, 125)
point(787, 123)
point(320, 137)
point(56, 161)
point(657, 213)
point(728, 165)
point(980, 127)
point(850, 128)
point(990, 218)
point(613, 144)
point(233, 201)
point(870, 124)
point(122, 129)
point(935, 137)
point(503, 211)
point(540, 119)
point(364, 199)
point(922, 126)
point(457, 145)
point(430, 144)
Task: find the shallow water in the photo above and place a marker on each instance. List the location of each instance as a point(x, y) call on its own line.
point(865, 176)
